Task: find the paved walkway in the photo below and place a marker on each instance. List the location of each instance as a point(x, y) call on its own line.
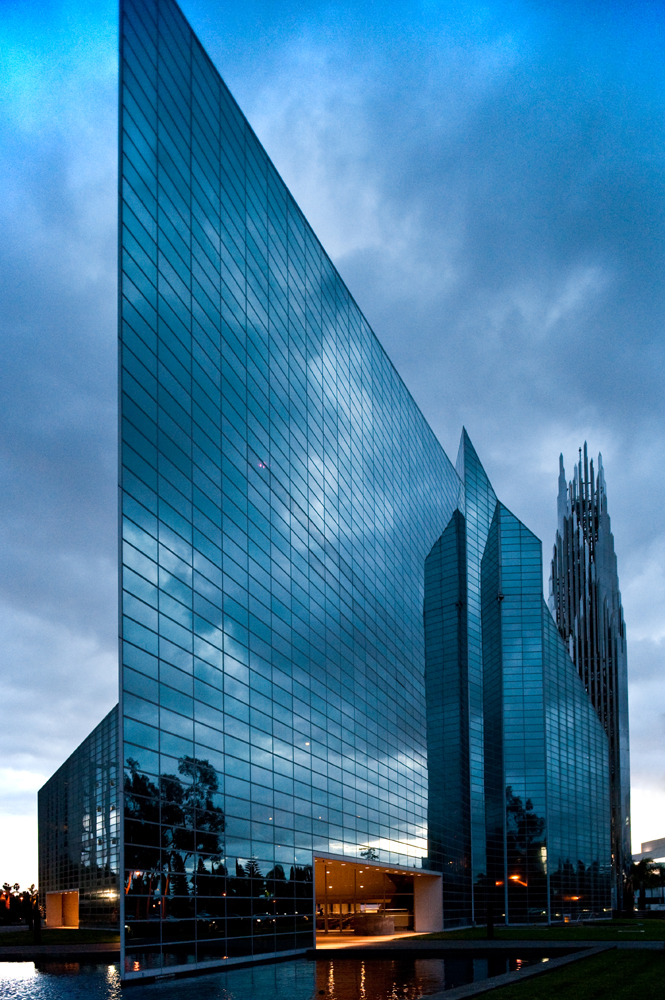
point(415, 947)
point(335, 940)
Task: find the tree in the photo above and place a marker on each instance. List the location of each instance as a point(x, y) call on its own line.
point(524, 835)
point(17, 904)
point(643, 875)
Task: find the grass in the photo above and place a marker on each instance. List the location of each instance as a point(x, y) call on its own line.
point(55, 936)
point(610, 930)
point(614, 975)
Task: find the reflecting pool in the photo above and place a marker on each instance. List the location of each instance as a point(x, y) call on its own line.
point(324, 979)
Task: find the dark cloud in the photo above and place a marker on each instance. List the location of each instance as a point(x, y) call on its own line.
point(58, 417)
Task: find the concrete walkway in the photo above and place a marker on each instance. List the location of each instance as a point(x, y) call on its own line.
point(414, 947)
point(333, 941)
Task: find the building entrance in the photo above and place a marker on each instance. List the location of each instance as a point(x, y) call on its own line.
point(371, 899)
point(62, 909)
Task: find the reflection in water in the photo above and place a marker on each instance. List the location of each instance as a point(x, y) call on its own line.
point(11, 972)
point(406, 978)
point(332, 979)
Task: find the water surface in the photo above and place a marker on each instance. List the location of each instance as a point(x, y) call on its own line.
point(324, 979)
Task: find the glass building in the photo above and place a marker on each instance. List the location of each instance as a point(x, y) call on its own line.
point(513, 739)
point(586, 603)
point(79, 834)
point(300, 753)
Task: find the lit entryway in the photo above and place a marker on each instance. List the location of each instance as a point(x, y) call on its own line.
point(371, 900)
point(62, 909)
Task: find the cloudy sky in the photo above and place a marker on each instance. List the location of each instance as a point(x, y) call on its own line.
point(488, 178)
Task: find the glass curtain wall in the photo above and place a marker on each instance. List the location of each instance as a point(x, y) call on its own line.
point(280, 491)
point(479, 505)
point(542, 850)
point(78, 827)
point(447, 686)
point(578, 852)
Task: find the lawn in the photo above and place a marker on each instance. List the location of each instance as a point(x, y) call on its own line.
point(22, 938)
point(610, 930)
point(614, 975)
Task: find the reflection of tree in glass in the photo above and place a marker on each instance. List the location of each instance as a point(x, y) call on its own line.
point(524, 835)
point(191, 822)
point(277, 873)
point(142, 854)
point(301, 875)
point(279, 890)
point(141, 794)
point(579, 888)
point(526, 882)
point(252, 869)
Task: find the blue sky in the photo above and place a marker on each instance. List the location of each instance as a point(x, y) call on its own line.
point(488, 178)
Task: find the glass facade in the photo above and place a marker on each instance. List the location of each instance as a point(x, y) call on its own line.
point(586, 603)
point(288, 523)
point(537, 847)
point(280, 492)
point(79, 834)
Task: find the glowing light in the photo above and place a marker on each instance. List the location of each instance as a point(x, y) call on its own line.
point(15, 971)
